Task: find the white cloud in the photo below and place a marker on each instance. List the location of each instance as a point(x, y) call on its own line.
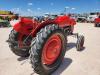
point(30, 4)
point(73, 8)
point(18, 9)
point(29, 10)
point(15, 10)
point(38, 8)
point(97, 9)
point(67, 7)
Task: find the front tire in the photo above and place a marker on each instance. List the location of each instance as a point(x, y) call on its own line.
point(80, 43)
point(49, 40)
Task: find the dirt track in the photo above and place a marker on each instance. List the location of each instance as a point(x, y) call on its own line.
point(86, 62)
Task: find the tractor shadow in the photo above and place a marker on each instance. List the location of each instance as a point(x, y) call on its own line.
point(82, 49)
point(65, 64)
point(67, 61)
point(73, 45)
point(70, 45)
point(22, 58)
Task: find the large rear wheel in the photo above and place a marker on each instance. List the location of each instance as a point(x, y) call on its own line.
point(16, 44)
point(48, 49)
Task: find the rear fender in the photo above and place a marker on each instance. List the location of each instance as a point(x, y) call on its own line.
point(23, 29)
point(25, 26)
point(63, 20)
point(42, 25)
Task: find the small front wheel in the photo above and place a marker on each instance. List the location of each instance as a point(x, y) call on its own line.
point(80, 43)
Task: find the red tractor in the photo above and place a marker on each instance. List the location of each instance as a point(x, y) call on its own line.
point(44, 41)
point(97, 22)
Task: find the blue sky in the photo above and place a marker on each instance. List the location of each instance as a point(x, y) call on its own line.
point(39, 7)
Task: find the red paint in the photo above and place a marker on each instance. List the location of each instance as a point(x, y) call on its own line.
point(97, 20)
point(65, 21)
point(27, 26)
point(20, 40)
point(51, 49)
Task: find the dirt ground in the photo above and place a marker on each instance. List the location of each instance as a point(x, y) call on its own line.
point(86, 62)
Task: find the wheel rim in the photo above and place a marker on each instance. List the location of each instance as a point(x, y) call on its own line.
point(51, 49)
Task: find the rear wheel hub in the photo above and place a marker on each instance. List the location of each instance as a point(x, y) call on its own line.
point(51, 49)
